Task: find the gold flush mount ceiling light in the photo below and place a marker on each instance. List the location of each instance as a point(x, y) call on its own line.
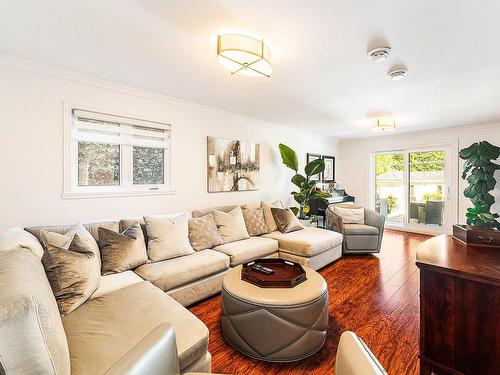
point(385, 125)
point(245, 55)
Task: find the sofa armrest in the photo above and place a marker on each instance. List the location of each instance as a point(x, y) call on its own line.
point(19, 238)
point(156, 354)
point(374, 219)
point(334, 221)
point(355, 358)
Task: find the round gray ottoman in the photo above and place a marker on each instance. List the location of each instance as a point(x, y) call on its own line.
point(275, 324)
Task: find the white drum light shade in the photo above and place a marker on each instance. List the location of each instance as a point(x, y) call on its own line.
point(384, 125)
point(245, 55)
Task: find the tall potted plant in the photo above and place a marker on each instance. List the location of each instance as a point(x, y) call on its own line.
point(479, 171)
point(307, 190)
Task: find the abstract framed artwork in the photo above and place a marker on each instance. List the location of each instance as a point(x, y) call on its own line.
point(311, 157)
point(232, 165)
point(329, 172)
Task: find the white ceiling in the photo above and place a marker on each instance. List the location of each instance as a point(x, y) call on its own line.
point(322, 79)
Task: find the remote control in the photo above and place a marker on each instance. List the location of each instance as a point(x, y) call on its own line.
point(262, 269)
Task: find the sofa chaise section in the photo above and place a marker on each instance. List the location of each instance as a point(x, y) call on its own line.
point(188, 278)
point(312, 247)
point(105, 328)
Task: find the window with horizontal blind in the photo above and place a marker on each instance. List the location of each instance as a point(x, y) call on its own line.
point(113, 154)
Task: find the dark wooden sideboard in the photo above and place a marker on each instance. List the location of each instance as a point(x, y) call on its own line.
point(459, 307)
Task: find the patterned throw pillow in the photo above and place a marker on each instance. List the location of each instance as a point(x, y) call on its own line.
point(203, 233)
point(122, 251)
point(73, 272)
point(255, 221)
point(286, 220)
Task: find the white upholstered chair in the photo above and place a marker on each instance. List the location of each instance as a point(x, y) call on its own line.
point(355, 358)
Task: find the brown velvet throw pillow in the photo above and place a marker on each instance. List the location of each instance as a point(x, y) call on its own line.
point(255, 221)
point(285, 219)
point(73, 272)
point(203, 233)
point(122, 251)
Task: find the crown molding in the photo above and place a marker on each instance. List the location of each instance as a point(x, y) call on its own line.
point(454, 128)
point(67, 75)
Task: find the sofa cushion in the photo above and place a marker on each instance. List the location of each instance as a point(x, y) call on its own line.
point(306, 242)
point(73, 272)
point(249, 249)
point(102, 330)
point(172, 273)
point(167, 236)
point(32, 338)
point(115, 281)
point(231, 225)
point(203, 233)
point(359, 229)
point(122, 251)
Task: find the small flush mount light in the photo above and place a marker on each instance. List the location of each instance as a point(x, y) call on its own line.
point(379, 54)
point(245, 55)
point(397, 74)
point(385, 125)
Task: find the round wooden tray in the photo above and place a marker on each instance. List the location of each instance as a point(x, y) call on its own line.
point(286, 274)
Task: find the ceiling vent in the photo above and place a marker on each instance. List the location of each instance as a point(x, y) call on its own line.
point(379, 54)
point(398, 74)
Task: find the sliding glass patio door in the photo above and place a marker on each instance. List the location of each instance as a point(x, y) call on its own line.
point(412, 188)
point(390, 186)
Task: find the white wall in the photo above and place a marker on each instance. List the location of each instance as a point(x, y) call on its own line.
point(355, 163)
point(31, 148)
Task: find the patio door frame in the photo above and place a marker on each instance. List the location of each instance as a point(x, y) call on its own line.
point(451, 186)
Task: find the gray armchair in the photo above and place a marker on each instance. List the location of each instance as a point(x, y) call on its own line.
point(358, 238)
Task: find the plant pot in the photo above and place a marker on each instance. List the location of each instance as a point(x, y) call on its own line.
point(477, 235)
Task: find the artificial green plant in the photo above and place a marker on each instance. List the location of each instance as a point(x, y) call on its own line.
point(306, 187)
point(479, 171)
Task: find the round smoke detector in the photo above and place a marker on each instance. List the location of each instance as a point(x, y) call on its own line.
point(397, 74)
point(379, 54)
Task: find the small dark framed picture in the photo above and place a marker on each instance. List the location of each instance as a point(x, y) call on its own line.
point(311, 157)
point(329, 173)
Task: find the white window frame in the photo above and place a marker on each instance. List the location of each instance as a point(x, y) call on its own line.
point(451, 186)
point(71, 190)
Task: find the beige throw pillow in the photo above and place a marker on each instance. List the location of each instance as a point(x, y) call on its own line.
point(255, 221)
point(203, 233)
point(122, 251)
point(286, 220)
point(268, 215)
point(168, 236)
point(351, 215)
point(73, 272)
point(231, 225)
point(64, 241)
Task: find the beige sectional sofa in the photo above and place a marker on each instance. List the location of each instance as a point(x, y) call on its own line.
point(128, 306)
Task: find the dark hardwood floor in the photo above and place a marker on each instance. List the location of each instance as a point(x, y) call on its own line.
point(375, 296)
